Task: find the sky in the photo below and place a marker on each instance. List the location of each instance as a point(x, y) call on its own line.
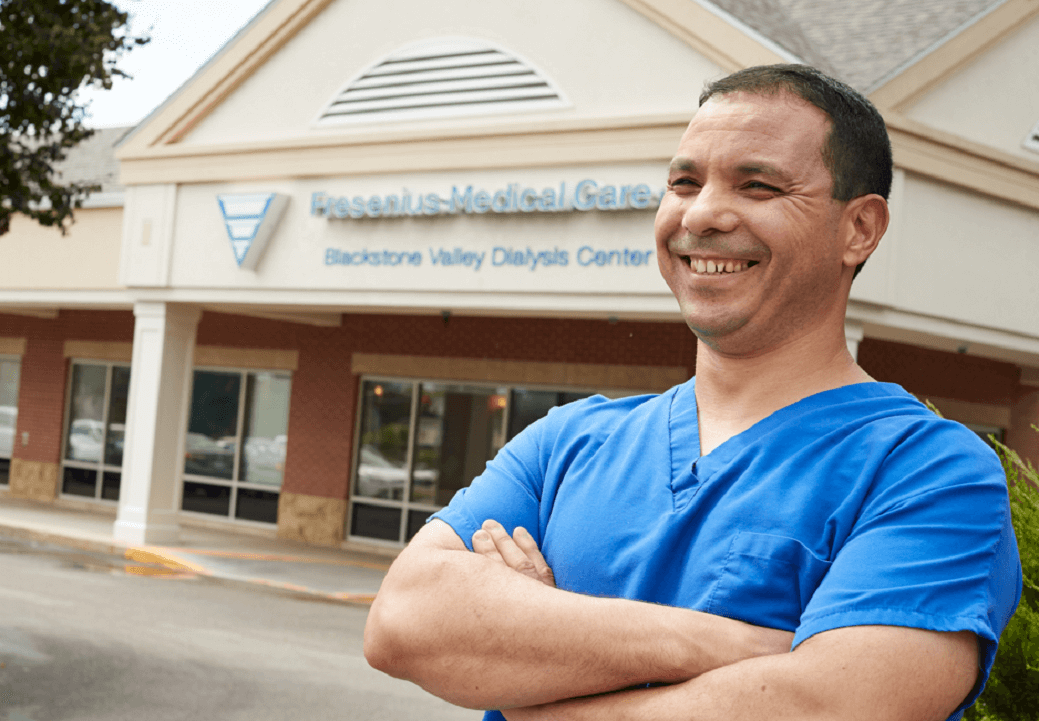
point(185, 34)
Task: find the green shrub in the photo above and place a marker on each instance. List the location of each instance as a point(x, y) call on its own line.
point(1012, 693)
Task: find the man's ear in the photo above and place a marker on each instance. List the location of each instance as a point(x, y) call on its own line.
point(865, 219)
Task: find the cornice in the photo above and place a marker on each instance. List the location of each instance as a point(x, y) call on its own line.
point(954, 160)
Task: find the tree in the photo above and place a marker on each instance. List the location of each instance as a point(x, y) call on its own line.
point(49, 49)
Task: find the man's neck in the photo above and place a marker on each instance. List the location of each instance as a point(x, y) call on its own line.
point(735, 392)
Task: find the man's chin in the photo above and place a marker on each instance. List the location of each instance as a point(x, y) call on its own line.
point(714, 332)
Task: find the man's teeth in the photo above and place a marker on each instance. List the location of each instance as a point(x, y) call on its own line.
point(718, 266)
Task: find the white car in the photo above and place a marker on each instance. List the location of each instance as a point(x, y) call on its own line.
point(85, 438)
point(379, 477)
point(8, 423)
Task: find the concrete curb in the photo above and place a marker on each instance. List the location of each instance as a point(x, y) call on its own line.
point(57, 539)
point(169, 558)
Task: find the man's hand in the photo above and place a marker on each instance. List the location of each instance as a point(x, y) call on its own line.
point(519, 552)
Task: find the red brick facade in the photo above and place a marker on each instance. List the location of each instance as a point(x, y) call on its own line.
point(925, 372)
point(41, 396)
point(322, 408)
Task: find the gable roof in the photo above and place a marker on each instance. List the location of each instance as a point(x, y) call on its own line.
point(858, 41)
point(93, 160)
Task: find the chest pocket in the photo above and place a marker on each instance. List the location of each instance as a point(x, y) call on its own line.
point(767, 580)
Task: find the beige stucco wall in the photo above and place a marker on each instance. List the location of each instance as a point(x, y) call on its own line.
point(964, 257)
point(992, 100)
point(606, 58)
point(86, 257)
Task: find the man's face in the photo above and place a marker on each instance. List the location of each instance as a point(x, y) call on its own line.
point(748, 192)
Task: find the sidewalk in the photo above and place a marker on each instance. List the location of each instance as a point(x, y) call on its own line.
point(238, 558)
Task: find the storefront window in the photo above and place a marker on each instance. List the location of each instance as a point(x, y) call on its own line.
point(420, 442)
point(385, 427)
point(10, 375)
point(95, 430)
point(234, 455)
point(460, 428)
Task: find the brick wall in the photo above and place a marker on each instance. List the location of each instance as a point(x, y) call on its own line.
point(535, 339)
point(322, 409)
point(925, 372)
point(321, 416)
point(41, 396)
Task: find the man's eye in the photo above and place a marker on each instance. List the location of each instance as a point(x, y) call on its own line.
point(756, 185)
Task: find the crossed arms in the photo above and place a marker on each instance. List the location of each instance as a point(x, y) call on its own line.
point(489, 630)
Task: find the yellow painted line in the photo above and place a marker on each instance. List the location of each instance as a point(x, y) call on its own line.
point(164, 557)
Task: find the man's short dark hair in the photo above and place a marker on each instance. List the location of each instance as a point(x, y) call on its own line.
point(857, 151)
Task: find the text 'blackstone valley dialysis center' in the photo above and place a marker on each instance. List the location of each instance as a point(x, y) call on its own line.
point(586, 195)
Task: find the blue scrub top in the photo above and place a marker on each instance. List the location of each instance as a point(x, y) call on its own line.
point(855, 506)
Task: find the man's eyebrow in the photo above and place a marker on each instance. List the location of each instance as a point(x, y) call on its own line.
point(681, 165)
point(762, 169)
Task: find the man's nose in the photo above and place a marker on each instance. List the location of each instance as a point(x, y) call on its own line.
point(710, 211)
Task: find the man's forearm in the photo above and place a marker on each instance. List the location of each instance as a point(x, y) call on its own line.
point(480, 635)
point(856, 674)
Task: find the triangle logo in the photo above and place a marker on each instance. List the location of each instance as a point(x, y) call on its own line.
point(250, 220)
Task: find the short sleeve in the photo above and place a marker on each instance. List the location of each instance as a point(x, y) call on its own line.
point(509, 489)
point(933, 547)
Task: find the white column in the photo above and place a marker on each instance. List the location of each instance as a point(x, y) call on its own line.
point(156, 421)
point(853, 334)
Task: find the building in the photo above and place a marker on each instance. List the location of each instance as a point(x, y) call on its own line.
point(369, 242)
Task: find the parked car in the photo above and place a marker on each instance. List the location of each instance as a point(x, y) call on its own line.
point(204, 456)
point(379, 477)
point(85, 438)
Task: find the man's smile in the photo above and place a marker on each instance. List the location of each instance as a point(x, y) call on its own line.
point(716, 266)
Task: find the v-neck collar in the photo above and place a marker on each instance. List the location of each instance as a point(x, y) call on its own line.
point(689, 470)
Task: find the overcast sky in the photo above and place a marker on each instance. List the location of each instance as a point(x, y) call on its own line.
point(185, 34)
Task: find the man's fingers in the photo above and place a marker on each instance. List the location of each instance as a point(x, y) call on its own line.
point(529, 546)
point(512, 554)
point(484, 545)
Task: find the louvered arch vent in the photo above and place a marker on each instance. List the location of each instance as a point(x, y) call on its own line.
point(443, 78)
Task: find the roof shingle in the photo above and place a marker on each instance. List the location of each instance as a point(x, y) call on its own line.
point(858, 41)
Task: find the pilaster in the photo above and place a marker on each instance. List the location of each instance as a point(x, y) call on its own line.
point(160, 384)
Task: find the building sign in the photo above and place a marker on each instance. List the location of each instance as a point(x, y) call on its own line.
point(497, 257)
point(513, 198)
point(250, 220)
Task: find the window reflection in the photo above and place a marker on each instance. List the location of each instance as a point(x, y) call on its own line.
point(459, 429)
point(95, 431)
point(265, 435)
point(243, 464)
point(118, 396)
point(385, 425)
point(86, 429)
point(10, 373)
point(212, 430)
point(421, 442)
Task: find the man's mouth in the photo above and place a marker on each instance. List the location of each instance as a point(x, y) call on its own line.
point(716, 266)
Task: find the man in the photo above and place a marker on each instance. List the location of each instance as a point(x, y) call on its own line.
point(780, 537)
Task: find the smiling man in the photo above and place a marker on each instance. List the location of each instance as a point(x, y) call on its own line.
point(781, 537)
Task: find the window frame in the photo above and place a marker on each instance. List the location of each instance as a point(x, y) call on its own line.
point(233, 483)
point(10, 357)
point(99, 466)
point(405, 505)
